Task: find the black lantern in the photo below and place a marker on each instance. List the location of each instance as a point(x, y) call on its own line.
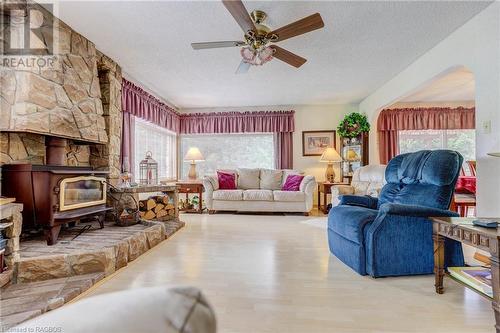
point(148, 170)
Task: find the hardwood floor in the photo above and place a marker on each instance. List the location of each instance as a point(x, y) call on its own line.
point(275, 274)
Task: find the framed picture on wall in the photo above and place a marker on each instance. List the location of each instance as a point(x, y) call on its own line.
point(314, 142)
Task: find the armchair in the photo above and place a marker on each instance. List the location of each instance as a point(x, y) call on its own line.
point(367, 180)
point(392, 235)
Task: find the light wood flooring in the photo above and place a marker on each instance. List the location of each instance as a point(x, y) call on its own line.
point(267, 273)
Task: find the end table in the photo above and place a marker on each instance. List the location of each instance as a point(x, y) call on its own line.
point(192, 186)
point(325, 188)
point(462, 230)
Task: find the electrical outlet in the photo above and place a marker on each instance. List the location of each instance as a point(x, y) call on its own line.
point(487, 126)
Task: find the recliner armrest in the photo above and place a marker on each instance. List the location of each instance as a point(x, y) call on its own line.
point(358, 200)
point(414, 210)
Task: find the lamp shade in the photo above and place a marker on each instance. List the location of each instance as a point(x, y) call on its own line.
point(194, 154)
point(330, 155)
point(494, 154)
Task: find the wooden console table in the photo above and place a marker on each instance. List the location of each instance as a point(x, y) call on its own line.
point(462, 230)
point(192, 186)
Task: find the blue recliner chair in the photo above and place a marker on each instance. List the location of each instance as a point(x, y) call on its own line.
point(392, 235)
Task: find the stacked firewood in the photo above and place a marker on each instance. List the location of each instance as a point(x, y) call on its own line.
point(156, 207)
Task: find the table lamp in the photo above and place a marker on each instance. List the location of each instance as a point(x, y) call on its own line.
point(330, 156)
point(193, 155)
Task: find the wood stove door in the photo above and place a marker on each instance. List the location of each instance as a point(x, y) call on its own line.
point(82, 191)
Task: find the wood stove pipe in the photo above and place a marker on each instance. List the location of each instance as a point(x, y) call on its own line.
point(55, 150)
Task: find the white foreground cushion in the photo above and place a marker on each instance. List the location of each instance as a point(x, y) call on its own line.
point(158, 309)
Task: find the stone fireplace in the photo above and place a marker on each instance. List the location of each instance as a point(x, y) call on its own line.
point(78, 98)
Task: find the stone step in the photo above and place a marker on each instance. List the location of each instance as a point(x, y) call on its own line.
point(23, 301)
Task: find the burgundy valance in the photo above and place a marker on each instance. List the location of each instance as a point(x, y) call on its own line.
point(238, 122)
point(140, 103)
point(426, 119)
point(390, 121)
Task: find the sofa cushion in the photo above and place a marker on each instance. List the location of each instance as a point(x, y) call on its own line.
point(228, 195)
point(248, 178)
point(290, 196)
point(258, 195)
point(270, 179)
point(350, 221)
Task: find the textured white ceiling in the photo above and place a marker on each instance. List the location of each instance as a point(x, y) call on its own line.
point(362, 45)
point(459, 85)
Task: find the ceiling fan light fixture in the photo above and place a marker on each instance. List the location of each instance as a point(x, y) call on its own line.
point(257, 57)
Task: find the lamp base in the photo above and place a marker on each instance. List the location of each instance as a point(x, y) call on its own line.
point(192, 175)
point(330, 173)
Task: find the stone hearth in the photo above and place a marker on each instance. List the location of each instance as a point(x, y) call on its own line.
point(96, 250)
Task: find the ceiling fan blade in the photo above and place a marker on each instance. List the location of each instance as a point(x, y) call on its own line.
point(288, 57)
point(243, 67)
point(214, 45)
point(240, 14)
point(299, 27)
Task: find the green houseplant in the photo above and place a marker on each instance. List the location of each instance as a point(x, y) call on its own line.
point(353, 125)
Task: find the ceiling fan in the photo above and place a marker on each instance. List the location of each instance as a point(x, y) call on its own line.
point(258, 46)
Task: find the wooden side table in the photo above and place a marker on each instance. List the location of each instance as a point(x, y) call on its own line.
point(325, 189)
point(192, 186)
point(461, 229)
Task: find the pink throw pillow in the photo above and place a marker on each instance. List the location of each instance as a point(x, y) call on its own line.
point(292, 183)
point(227, 180)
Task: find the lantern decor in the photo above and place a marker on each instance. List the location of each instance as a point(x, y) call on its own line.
point(148, 170)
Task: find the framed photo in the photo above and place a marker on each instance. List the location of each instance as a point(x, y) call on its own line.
point(315, 142)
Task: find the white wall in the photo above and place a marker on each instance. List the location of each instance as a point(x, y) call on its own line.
point(307, 118)
point(475, 45)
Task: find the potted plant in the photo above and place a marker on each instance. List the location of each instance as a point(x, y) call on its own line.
point(353, 125)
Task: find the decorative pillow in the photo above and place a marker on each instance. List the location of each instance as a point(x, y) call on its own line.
point(248, 179)
point(286, 173)
point(227, 180)
point(270, 179)
point(292, 183)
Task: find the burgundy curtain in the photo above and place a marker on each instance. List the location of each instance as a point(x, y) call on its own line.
point(238, 122)
point(138, 103)
point(283, 149)
point(127, 146)
point(390, 121)
point(143, 105)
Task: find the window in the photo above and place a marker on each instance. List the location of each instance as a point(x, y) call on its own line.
point(229, 151)
point(161, 142)
point(462, 141)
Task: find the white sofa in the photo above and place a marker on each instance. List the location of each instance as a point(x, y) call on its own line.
point(367, 180)
point(259, 190)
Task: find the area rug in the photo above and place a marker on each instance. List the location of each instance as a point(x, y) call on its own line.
point(320, 222)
